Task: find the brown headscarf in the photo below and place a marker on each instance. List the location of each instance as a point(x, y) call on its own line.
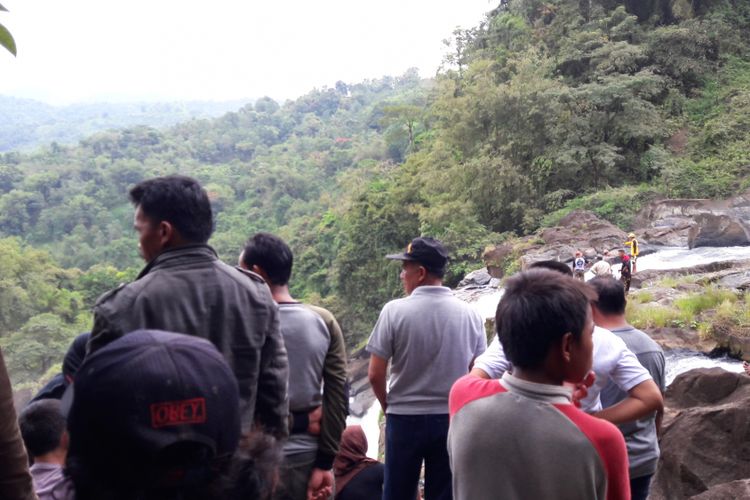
point(352, 457)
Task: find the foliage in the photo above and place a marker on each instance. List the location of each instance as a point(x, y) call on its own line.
point(6, 39)
point(543, 108)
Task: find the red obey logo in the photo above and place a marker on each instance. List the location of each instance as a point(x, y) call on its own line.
point(189, 411)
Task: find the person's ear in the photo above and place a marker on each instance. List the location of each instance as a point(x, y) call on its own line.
point(422, 274)
point(259, 271)
point(566, 347)
point(166, 232)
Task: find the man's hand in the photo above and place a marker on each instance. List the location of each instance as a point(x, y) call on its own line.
point(377, 373)
point(314, 418)
point(581, 389)
point(320, 485)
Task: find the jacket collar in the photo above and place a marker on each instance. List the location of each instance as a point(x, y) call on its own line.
point(179, 255)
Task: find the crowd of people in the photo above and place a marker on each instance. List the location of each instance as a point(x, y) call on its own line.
point(601, 267)
point(204, 380)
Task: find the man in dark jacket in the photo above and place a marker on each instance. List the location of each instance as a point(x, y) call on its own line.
point(185, 288)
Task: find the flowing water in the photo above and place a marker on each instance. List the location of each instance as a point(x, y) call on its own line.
point(485, 300)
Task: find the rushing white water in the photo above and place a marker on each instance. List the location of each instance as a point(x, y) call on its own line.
point(485, 300)
point(370, 424)
point(679, 361)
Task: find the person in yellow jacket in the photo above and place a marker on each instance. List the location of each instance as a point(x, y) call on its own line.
point(633, 244)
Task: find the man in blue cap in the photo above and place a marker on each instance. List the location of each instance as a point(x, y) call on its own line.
point(430, 339)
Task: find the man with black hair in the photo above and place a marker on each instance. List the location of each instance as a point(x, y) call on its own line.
point(640, 435)
point(613, 362)
point(185, 288)
point(315, 346)
point(522, 437)
point(430, 339)
point(42, 426)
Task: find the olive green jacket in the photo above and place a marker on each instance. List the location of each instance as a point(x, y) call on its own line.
point(189, 290)
point(15, 480)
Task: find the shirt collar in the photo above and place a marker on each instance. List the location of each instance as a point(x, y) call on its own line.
point(553, 394)
point(431, 290)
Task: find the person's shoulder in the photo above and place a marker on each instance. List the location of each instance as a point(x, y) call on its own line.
point(324, 313)
point(471, 388)
point(603, 434)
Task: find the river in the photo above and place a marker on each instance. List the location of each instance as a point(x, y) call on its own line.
point(485, 300)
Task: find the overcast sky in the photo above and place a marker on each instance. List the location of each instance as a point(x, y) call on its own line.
point(96, 50)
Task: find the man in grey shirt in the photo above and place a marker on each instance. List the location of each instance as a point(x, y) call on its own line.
point(430, 338)
point(640, 435)
point(315, 347)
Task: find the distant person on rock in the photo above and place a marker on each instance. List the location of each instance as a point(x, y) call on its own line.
point(625, 270)
point(358, 477)
point(522, 437)
point(640, 435)
point(632, 243)
point(601, 267)
point(430, 339)
point(315, 347)
point(43, 428)
point(613, 362)
point(579, 266)
point(185, 288)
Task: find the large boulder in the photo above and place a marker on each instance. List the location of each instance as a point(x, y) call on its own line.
point(717, 231)
point(696, 222)
point(726, 491)
point(707, 442)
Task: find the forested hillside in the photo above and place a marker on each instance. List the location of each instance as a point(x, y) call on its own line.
point(28, 124)
point(545, 107)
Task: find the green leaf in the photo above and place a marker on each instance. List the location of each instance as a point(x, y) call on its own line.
point(6, 39)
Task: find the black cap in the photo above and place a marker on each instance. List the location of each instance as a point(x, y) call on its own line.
point(149, 390)
point(427, 251)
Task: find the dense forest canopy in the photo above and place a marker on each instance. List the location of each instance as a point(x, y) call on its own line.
point(544, 107)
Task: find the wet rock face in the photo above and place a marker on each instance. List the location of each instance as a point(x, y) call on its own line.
point(717, 231)
point(695, 223)
point(707, 443)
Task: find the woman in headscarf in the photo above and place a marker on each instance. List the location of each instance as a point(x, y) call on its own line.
point(357, 476)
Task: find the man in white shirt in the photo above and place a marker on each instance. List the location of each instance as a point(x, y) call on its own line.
point(612, 361)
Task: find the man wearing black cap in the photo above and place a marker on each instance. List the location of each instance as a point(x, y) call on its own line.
point(431, 338)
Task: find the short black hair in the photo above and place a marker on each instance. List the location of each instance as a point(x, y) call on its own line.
point(270, 253)
point(179, 200)
point(552, 265)
point(539, 307)
point(611, 295)
point(42, 426)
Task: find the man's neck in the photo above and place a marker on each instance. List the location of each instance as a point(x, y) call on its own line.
point(537, 376)
point(280, 294)
point(55, 457)
point(612, 322)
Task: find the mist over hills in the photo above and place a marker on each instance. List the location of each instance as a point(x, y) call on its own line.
point(27, 124)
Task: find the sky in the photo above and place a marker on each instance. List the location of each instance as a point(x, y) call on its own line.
point(167, 50)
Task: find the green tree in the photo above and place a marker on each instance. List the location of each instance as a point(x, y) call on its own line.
point(6, 39)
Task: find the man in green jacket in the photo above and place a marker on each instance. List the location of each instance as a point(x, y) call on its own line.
point(185, 288)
